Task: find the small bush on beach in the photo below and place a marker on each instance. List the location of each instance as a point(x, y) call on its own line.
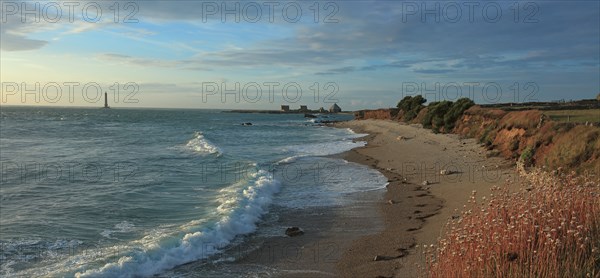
point(550, 228)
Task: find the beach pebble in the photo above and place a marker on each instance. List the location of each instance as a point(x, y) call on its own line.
point(293, 231)
point(391, 202)
point(446, 172)
point(425, 182)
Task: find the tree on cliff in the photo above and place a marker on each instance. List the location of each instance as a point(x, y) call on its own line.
point(456, 111)
point(436, 111)
point(444, 114)
point(411, 106)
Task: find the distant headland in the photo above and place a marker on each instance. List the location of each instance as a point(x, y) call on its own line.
point(285, 109)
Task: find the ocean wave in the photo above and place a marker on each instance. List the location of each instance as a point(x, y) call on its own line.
point(200, 144)
point(344, 143)
point(325, 148)
point(325, 182)
point(16, 252)
point(242, 205)
point(123, 227)
point(353, 135)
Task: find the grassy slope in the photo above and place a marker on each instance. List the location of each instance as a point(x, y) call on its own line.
point(574, 116)
point(549, 143)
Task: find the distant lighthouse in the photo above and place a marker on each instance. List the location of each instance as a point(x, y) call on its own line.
point(106, 100)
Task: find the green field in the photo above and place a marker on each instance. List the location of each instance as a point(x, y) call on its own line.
point(574, 116)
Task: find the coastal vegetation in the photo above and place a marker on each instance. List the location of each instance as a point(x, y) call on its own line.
point(411, 106)
point(444, 114)
point(549, 228)
point(546, 139)
point(574, 116)
point(550, 225)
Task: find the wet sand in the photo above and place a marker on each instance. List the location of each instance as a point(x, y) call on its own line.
point(379, 235)
point(414, 212)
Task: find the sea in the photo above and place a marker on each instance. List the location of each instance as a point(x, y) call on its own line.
point(88, 192)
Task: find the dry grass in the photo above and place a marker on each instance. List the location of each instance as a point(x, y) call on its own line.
point(574, 116)
point(527, 119)
point(577, 147)
point(550, 228)
point(487, 112)
point(553, 144)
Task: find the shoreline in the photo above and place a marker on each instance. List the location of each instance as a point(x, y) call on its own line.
point(379, 234)
point(414, 213)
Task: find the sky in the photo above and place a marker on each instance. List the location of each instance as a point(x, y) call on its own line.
point(263, 54)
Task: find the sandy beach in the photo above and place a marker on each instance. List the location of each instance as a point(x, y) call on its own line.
point(382, 234)
point(414, 213)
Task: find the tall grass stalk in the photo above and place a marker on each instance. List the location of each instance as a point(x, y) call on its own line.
point(549, 228)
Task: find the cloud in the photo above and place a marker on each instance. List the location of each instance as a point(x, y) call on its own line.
point(370, 37)
point(151, 62)
point(391, 65)
point(338, 71)
point(10, 42)
point(379, 30)
point(15, 36)
point(433, 71)
point(382, 30)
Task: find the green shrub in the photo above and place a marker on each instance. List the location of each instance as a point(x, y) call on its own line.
point(439, 114)
point(487, 135)
point(435, 114)
point(411, 106)
point(527, 156)
point(409, 115)
point(457, 109)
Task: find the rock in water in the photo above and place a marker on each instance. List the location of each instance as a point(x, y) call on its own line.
point(294, 231)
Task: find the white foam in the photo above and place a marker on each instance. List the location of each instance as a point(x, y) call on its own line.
point(200, 144)
point(326, 148)
point(345, 143)
point(34, 250)
point(289, 159)
point(353, 134)
point(242, 205)
point(326, 182)
point(123, 227)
